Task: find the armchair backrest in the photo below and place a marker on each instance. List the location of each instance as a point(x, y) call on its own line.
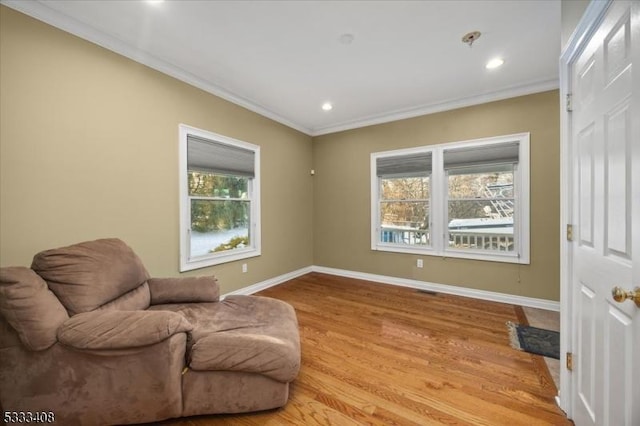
point(88, 275)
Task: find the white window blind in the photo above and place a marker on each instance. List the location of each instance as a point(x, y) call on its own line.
point(205, 155)
point(487, 158)
point(404, 165)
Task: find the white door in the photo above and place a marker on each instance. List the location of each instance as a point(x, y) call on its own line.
point(605, 135)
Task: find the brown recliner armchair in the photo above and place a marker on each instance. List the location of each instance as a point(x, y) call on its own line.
point(87, 337)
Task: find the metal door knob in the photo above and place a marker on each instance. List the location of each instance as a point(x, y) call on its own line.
point(620, 295)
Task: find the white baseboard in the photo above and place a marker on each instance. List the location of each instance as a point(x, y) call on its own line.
point(403, 282)
point(270, 282)
point(444, 288)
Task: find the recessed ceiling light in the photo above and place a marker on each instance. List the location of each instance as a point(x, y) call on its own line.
point(155, 1)
point(327, 106)
point(494, 63)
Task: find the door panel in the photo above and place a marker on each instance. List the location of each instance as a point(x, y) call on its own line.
point(585, 185)
point(617, 47)
point(586, 338)
point(618, 190)
point(618, 352)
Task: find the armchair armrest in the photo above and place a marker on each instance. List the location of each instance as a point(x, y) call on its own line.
point(184, 290)
point(120, 329)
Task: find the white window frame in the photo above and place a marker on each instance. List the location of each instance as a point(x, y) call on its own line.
point(254, 249)
point(438, 205)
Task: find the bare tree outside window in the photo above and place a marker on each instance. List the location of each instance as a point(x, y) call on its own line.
point(404, 210)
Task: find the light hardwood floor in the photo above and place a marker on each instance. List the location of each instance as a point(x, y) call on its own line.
point(386, 355)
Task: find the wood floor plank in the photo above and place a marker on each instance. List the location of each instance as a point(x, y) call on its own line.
point(375, 354)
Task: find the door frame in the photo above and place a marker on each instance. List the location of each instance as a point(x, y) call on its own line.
point(588, 25)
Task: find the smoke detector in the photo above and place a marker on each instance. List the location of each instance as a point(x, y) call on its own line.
point(346, 38)
point(469, 38)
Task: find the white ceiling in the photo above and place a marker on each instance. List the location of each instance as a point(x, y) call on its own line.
point(284, 59)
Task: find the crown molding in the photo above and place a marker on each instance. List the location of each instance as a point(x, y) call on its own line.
point(401, 114)
point(39, 10)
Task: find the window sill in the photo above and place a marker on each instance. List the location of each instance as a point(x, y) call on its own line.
point(217, 259)
point(459, 254)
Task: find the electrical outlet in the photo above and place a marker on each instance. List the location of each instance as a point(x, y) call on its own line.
point(244, 268)
point(419, 263)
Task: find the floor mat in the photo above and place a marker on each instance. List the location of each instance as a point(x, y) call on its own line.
point(534, 340)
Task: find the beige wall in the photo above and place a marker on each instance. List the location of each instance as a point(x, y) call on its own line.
point(342, 196)
point(571, 11)
point(89, 149)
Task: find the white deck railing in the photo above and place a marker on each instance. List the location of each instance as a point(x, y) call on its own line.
point(490, 239)
point(404, 235)
point(494, 239)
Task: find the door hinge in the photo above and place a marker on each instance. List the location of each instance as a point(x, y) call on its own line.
point(569, 361)
point(569, 102)
point(569, 232)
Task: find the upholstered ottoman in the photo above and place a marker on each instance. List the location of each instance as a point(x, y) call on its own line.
point(241, 356)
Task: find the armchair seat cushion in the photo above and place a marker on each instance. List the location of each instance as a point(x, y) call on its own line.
point(249, 334)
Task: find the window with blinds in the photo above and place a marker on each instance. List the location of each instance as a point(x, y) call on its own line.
point(480, 197)
point(219, 202)
point(404, 197)
point(464, 199)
